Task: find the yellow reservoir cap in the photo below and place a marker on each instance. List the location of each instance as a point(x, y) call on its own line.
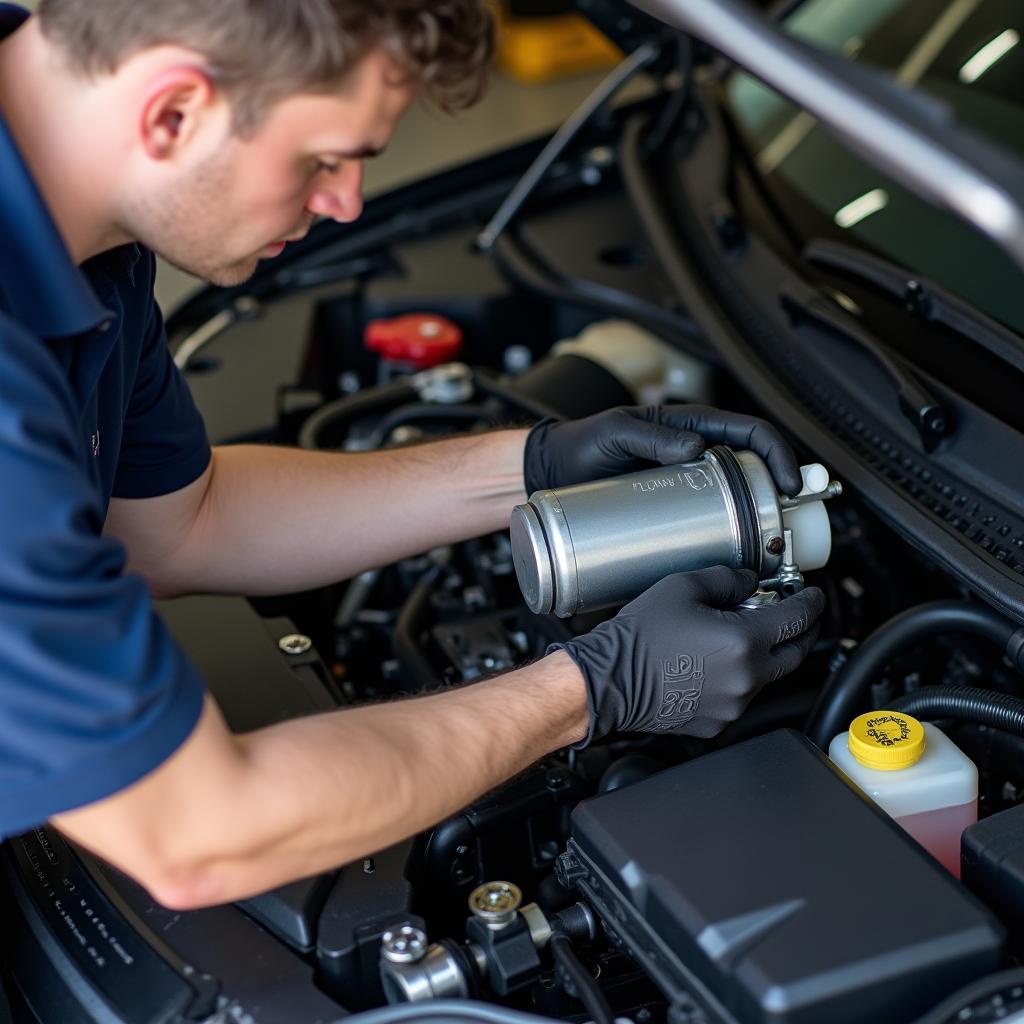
point(886, 740)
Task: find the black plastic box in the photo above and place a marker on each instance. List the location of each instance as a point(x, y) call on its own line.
point(760, 884)
point(992, 855)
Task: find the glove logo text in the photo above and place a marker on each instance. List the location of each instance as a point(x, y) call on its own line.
point(791, 630)
point(679, 706)
point(683, 670)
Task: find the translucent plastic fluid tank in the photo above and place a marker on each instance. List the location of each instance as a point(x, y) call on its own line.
point(916, 774)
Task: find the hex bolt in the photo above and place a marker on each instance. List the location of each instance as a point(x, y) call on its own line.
point(496, 903)
point(403, 945)
point(775, 546)
point(295, 643)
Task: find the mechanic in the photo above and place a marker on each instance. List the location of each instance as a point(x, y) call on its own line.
point(211, 133)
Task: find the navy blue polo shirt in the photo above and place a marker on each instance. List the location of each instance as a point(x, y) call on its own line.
point(94, 692)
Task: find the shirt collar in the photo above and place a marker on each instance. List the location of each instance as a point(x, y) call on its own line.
point(40, 286)
point(114, 264)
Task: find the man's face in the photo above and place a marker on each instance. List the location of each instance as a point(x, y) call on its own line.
point(240, 201)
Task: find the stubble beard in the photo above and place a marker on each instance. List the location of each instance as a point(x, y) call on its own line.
point(228, 275)
point(179, 226)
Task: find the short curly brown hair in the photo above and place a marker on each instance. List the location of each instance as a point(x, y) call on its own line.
point(260, 51)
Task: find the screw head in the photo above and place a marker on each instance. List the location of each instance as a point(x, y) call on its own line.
point(495, 903)
point(403, 945)
point(775, 546)
point(295, 643)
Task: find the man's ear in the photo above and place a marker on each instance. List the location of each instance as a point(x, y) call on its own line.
point(174, 106)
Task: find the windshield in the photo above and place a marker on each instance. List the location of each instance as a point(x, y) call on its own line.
point(967, 53)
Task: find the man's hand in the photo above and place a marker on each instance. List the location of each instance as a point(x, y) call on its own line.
point(683, 659)
point(560, 453)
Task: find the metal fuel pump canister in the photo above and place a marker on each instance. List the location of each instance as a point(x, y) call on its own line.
point(602, 543)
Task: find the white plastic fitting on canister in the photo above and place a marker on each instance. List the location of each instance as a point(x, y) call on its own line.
point(812, 532)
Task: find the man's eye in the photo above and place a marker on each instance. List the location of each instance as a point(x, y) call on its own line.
point(322, 166)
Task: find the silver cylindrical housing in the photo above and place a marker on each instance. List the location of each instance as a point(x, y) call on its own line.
point(602, 543)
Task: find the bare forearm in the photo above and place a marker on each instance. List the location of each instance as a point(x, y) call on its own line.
point(312, 794)
point(415, 763)
point(275, 520)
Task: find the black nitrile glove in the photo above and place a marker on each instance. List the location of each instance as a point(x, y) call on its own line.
point(682, 658)
point(563, 452)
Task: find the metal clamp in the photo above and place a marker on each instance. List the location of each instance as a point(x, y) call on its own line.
point(789, 579)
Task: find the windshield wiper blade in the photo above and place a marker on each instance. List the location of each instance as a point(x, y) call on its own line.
point(919, 296)
point(917, 403)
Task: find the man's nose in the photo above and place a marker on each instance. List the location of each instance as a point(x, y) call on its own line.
point(339, 196)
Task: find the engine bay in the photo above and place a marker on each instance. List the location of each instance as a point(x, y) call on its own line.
point(656, 878)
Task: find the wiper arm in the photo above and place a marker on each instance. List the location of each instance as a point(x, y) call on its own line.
point(919, 296)
point(917, 403)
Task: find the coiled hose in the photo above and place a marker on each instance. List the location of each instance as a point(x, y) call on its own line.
point(846, 696)
point(997, 710)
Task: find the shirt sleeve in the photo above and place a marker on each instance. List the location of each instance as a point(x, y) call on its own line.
point(94, 691)
point(164, 445)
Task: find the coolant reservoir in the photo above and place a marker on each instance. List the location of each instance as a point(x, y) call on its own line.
point(916, 774)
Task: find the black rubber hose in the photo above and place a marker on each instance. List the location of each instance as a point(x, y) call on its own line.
point(667, 123)
point(405, 640)
point(839, 703)
point(363, 403)
point(422, 411)
point(997, 710)
point(495, 387)
point(576, 922)
point(512, 259)
point(585, 987)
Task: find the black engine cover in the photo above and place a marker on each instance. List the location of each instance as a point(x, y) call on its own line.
point(760, 884)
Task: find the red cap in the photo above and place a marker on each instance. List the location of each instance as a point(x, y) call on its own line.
point(422, 339)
